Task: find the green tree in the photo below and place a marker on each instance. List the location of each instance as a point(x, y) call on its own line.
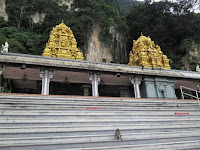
point(167, 26)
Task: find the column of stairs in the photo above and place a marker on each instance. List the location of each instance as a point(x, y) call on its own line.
point(86, 123)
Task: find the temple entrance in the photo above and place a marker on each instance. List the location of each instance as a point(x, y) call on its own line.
point(23, 86)
point(57, 88)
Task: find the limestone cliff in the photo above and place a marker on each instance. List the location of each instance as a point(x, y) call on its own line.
point(94, 48)
point(3, 10)
point(118, 46)
point(38, 17)
point(67, 3)
point(196, 52)
point(97, 51)
point(100, 51)
point(192, 58)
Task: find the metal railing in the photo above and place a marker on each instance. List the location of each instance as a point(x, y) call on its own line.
point(190, 95)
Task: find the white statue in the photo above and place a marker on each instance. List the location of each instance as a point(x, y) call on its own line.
point(5, 47)
point(197, 68)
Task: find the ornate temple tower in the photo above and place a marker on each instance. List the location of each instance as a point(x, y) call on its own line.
point(62, 44)
point(145, 53)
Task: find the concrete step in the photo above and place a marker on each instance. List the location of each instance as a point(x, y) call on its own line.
point(46, 107)
point(102, 123)
point(93, 102)
point(69, 117)
point(82, 106)
point(58, 102)
point(105, 101)
point(88, 128)
point(92, 106)
point(92, 99)
point(97, 132)
point(96, 112)
point(184, 145)
point(192, 147)
point(74, 145)
point(90, 119)
point(95, 138)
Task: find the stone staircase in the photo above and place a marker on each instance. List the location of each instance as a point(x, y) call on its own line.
point(34, 122)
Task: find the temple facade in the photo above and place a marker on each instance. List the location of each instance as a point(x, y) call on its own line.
point(22, 73)
point(61, 70)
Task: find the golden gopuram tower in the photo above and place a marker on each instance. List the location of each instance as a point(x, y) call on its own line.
point(145, 53)
point(62, 44)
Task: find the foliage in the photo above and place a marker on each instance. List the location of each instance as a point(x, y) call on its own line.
point(125, 6)
point(97, 12)
point(3, 23)
point(5, 90)
point(20, 41)
point(172, 30)
point(173, 26)
point(32, 37)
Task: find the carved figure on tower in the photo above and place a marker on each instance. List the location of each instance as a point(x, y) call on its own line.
point(145, 53)
point(62, 44)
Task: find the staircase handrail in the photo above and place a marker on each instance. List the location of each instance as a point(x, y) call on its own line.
point(196, 91)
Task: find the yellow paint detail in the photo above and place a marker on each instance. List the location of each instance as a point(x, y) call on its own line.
point(145, 53)
point(62, 44)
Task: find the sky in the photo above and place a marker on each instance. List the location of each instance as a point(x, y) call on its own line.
point(196, 8)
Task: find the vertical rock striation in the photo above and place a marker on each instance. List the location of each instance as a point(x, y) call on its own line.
point(3, 10)
point(97, 51)
point(100, 51)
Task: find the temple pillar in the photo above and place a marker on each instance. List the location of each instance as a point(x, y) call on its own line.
point(95, 78)
point(136, 81)
point(46, 75)
point(2, 82)
point(198, 85)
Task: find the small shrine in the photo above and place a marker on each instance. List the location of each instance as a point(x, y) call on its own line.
point(145, 53)
point(62, 44)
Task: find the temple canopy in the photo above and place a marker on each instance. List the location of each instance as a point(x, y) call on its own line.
point(145, 53)
point(62, 44)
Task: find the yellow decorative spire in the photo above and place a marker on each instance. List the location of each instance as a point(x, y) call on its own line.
point(62, 44)
point(145, 53)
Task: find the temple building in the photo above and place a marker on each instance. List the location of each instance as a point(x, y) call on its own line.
point(61, 70)
point(91, 119)
point(146, 54)
point(62, 44)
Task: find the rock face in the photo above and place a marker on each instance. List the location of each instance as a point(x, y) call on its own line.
point(100, 51)
point(97, 51)
point(38, 17)
point(66, 2)
point(3, 10)
point(196, 52)
point(94, 49)
point(192, 58)
point(118, 46)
